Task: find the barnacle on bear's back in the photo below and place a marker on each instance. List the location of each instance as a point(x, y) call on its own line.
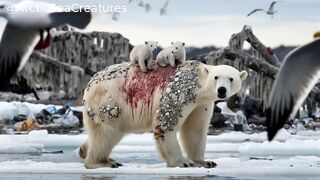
point(180, 92)
point(109, 73)
point(90, 112)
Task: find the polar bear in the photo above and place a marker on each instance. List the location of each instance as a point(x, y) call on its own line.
point(169, 101)
point(166, 57)
point(175, 53)
point(143, 54)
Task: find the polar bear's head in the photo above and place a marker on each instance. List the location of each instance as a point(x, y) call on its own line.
point(177, 46)
point(227, 80)
point(152, 45)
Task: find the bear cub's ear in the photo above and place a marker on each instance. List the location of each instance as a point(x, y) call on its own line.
point(171, 43)
point(183, 44)
point(243, 75)
point(146, 42)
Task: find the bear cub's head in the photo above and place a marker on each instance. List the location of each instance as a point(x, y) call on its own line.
point(177, 47)
point(227, 80)
point(152, 45)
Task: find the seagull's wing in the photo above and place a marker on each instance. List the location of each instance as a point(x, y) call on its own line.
point(271, 7)
point(79, 19)
point(141, 4)
point(147, 6)
point(115, 16)
point(163, 10)
point(15, 48)
point(296, 78)
point(165, 4)
point(256, 10)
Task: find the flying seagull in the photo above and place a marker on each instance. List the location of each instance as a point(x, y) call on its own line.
point(115, 16)
point(141, 4)
point(270, 11)
point(25, 29)
point(298, 75)
point(147, 6)
point(163, 10)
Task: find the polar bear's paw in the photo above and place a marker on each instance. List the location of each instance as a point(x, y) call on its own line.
point(114, 164)
point(206, 164)
point(110, 163)
point(184, 163)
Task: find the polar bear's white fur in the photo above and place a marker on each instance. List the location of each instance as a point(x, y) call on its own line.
point(166, 57)
point(122, 100)
point(143, 54)
point(169, 56)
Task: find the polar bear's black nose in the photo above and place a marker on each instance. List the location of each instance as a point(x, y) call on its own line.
point(222, 92)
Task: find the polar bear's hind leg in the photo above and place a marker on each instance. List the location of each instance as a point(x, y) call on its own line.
point(100, 146)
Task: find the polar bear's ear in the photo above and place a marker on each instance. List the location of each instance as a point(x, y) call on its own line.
point(156, 42)
point(243, 75)
point(204, 71)
point(183, 44)
point(146, 42)
point(171, 43)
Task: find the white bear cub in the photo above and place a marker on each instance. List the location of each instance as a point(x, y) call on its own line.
point(176, 52)
point(142, 55)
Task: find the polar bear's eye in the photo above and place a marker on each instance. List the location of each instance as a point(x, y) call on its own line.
point(216, 77)
point(176, 47)
point(231, 79)
point(151, 45)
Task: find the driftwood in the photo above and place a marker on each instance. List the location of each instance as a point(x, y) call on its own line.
point(247, 35)
point(262, 66)
point(252, 62)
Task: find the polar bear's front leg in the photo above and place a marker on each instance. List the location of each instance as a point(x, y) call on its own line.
point(172, 61)
point(194, 135)
point(149, 64)
point(170, 150)
point(142, 65)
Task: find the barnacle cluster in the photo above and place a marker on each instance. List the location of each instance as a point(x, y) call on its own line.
point(120, 70)
point(180, 91)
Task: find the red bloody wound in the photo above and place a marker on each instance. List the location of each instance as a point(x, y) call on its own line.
point(141, 86)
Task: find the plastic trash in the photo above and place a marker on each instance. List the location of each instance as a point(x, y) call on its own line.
point(27, 125)
point(68, 120)
point(51, 109)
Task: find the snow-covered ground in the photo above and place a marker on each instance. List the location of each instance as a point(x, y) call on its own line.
point(237, 155)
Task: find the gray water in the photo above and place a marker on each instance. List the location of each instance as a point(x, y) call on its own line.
point(68, 155)
point(102, 177)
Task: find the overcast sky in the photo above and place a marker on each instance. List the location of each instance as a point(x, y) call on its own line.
point(209, 22)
